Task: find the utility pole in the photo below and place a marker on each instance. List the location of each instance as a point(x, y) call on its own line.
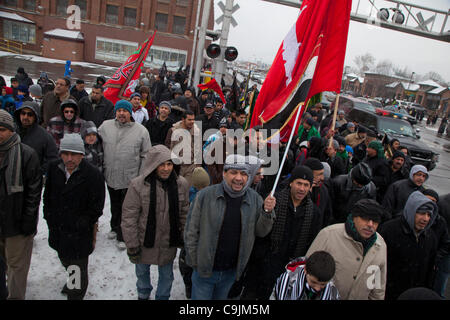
point(201, 41)
point(195, 42)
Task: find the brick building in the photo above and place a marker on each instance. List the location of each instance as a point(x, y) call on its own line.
point(109, 30)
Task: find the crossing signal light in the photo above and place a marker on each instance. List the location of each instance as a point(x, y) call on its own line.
point(231, 54)
point(213, 51)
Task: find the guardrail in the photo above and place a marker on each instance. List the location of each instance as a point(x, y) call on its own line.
point(11, 46)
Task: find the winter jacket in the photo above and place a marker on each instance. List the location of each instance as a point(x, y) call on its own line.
point(78, 95)
point(57, 127)
point(353, 139)
point(50, 106)
point(411, 256)
point(345, 194)
point(380, 171)
point(354, 271)
point(204, 222)
point(390, 178)
point(337, 166)
point(396, 196)
point(194, 160)
point(97, 113)
point(37, 138)
point(20, 99)
point(24, 79)
point(46, 84)
point(291, 285)
point(313, 132)
point(124, 148)
point(136, 210)
point(140, 115)
point(208, 124)
point(158, 129)
point(72, 208)
point(8, 103)
point(19, 211)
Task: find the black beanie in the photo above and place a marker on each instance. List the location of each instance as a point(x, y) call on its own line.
point(431, 192)
point(368, 209)
point(362, 129)
point(362, 173)
point(398, 154)
point(313, 164)
point(302, 172)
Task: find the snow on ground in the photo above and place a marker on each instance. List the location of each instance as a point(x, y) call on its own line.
point(111, 274)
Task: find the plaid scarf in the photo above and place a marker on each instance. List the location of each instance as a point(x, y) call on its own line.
point(279, 227)
point(13, 159)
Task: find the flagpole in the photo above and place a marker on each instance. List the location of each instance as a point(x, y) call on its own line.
point(287, 149)
point(333, 123)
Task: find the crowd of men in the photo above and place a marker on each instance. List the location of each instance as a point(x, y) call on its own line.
point(350, 217)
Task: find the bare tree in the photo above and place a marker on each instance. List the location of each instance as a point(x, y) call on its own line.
point(436, 77)
point(402, 72)
point(364, 63)
point(384, 67)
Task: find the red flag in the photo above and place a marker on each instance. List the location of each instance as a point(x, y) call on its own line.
point(310, 60)
point(212, 84)
point(122, 83)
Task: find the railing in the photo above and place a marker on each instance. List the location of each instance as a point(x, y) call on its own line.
point(10, 46)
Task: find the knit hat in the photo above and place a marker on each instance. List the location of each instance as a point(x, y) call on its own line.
point(367, 209)
point(237, 162)
point(6, 120)
point(361, 173)
point(302, 172)
point(340, 140)
point(167, 104)
point(371, 133)
point(123, 104)
point(432, 193)
point(425, 208)
point(326, 170)
point(398, 154)
point(350, 124)
point(72, 142)
point(87, 128)
point(362, 129)
point(23, 89)
point(310, 121)
point(135, 94)
point(35, 90)
point(8, 90)
point(200, 178)
point(376, 145)
point(341, 112)
point(313, 164)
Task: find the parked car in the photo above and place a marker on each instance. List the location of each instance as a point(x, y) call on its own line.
point(375, 103)
point(400, 113)
point(389, 128)
point(347, 103)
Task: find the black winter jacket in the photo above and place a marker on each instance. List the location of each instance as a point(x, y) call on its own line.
point(396, 196)
point(410, 261)
point(104, 110)
point(19, 212)
point(72, 209)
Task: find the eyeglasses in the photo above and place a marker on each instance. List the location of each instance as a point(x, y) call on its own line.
point(24, 113)
point(69, 111)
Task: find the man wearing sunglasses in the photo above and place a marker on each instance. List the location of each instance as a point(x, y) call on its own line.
point(67, 122)
point(33, 135)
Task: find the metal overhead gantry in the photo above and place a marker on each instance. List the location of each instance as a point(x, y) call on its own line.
point(396, 15)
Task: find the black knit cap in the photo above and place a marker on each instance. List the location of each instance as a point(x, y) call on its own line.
point(313, 164)
point(367, 209)
point(432, 193)
point(302, 172)
point(398, 154)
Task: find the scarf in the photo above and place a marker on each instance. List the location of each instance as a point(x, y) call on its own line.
point(351, 231)
point(13, 159)
point(170, 187)
point(279, 226)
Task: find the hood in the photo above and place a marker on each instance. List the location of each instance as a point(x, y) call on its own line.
point(31, 105)
point(418, 168)
point(415, 200)
point(292, 265)
point(155, 156)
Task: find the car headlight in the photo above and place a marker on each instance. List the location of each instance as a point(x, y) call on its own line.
point(405, 118)
point(395, 116)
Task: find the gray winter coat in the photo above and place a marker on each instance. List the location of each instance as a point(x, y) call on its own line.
point(124, 148)
point(204, 222)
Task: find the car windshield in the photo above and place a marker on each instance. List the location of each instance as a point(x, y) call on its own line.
point(365, 106)
point(396, 127)
point(376, 103)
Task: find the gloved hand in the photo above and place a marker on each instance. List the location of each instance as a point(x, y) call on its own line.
point(134, 254)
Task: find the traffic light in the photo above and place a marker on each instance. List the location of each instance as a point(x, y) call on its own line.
point(213, 50)
point(231, 54)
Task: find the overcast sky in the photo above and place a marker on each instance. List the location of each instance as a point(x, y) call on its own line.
point(262, 27)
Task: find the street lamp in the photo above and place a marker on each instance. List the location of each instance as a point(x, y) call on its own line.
point(410, 80)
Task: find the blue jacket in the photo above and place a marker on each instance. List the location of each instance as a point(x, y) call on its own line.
point(204, 221)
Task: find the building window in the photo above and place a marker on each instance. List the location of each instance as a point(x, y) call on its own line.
point(179, 24)
point(10, 3)
point(83, 5)
point(164, 1)
point(114, 50)
point(161, 22)
point(173, 58)
point(112, 14)
point(130, 17)
point(183, 3)
point(61, 7)
point(29, 5)
point(18, 31)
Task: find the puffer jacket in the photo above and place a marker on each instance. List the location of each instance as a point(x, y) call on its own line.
point(136, 210)
point(204, 222)
point(124, 148)
point(72, 208)
point(19, 211)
